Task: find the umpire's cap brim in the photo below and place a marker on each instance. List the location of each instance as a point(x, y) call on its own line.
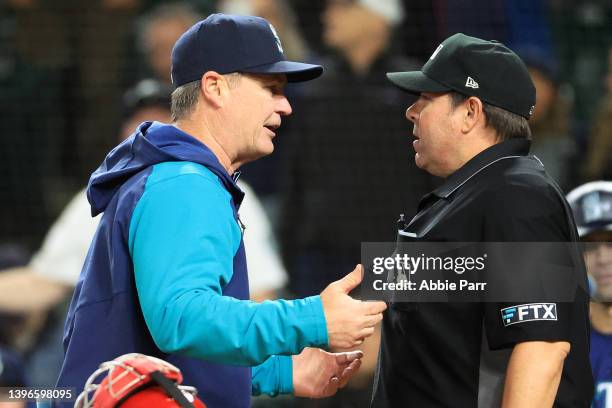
point(415, 82)
point(295, 71)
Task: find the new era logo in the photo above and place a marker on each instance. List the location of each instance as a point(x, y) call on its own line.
point(470, 83)
point(528, 313)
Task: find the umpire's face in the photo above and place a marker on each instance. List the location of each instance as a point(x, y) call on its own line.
point(436, 128)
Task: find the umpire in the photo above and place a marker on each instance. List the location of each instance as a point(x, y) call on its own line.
point(470, 126)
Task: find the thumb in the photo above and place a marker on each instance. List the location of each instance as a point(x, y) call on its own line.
point(350, 281)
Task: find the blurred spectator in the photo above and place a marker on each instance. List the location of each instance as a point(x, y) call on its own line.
point(592, 207)
point(552, 141)
point(157, 32)
point(599, 155)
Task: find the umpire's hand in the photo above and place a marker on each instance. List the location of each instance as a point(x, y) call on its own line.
point(349, 321)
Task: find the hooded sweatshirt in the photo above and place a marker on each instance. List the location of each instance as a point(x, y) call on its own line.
point(166, 276)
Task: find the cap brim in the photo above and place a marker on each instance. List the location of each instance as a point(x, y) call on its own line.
point(295, 71)
point(415, 82)
point(590, 229)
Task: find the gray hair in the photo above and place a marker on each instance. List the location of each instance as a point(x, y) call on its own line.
point(508, 125)
point(185, 97)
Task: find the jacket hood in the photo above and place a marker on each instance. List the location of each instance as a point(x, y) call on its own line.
point(152, 143)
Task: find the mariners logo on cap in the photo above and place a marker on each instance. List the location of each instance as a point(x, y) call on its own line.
point(594, 207)
point(278, 42)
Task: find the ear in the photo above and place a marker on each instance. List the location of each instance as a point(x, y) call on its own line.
point(473, 114)
point(214, 88)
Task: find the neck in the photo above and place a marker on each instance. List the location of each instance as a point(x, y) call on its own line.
point(203, 133)
point(472, 148)
point(601, 317)
point(362, 57)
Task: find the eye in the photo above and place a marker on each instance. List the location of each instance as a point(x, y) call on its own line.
point(275, 89)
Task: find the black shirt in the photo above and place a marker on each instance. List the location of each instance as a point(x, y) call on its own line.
point(446, 354)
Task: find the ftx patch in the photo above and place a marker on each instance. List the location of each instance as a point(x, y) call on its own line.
point(528, 313)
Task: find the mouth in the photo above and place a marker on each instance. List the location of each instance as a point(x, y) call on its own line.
point(272, 128)
point(604, 280)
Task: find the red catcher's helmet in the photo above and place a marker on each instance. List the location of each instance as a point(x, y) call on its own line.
point(137, 381)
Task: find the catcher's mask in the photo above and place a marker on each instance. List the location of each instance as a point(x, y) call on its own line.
point(136, 380)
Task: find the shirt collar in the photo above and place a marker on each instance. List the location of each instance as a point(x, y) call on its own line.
point(507, 149)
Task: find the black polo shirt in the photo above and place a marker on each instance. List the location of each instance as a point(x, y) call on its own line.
point(455, 354)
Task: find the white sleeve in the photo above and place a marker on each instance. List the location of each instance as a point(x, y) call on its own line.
point(266, 271)
point(65, 247)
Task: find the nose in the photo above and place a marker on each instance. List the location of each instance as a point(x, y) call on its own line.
point(283, 107)
point(412, 113)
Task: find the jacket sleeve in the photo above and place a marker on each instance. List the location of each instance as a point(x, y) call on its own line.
point(274, 376)
point(183, 237)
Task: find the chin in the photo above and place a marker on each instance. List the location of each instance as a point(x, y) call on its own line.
point(263, 153)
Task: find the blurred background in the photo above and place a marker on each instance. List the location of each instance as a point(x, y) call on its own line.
point(76, 77)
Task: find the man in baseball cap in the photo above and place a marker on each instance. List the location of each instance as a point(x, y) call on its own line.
point(470, 124)
point(166, 273)
point(592, 206)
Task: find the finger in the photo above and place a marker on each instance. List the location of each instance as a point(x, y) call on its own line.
point(356, 343)
point(372, 320)
point(347, 357)
point(332, 387)
point(348, 372)
point(350, 281)
point(366, 332)
point(373, 308)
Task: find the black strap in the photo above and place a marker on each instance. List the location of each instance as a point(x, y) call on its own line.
point(171, 388)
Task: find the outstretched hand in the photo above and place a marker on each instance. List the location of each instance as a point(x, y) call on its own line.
point(319, 374)
point(349, 321)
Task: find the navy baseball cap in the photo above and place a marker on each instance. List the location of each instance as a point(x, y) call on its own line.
point(474, 67)
point(592, 207)
point(228, 43)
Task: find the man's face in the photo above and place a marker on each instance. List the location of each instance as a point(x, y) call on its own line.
point(257, 104)
point(345, 23)
point(598, 258)
point(435, 124)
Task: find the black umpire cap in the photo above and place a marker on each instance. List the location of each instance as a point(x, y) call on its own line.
point(486, 69)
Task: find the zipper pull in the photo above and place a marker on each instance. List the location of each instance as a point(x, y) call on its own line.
point(242, 226)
